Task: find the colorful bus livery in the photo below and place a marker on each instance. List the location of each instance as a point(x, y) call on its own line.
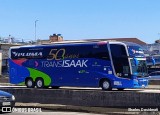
point(104, 64)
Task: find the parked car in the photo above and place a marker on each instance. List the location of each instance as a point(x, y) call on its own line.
point(7, 101)
point(154, 75)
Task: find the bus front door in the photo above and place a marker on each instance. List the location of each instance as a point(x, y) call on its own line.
point(120, 60)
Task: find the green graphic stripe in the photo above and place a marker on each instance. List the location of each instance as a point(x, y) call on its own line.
point(35, 73)
point(22, 83)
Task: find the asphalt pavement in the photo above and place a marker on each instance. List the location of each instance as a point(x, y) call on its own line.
point(55, 113)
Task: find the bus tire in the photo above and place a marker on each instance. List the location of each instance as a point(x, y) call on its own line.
point(106, 85)
point(39, 83)
point(29, 83)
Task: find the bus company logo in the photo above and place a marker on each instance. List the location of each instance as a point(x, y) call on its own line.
point(59, 58)
point(65, 63)
point(28, 54)
point(137, 51)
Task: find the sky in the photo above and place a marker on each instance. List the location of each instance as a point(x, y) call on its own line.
point(81, 19)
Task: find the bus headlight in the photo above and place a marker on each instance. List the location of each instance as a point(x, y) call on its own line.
point(13, 98)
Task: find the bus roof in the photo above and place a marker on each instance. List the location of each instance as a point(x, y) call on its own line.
point(79, 42)
point(62, 43)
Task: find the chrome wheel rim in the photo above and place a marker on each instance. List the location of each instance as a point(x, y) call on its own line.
point(105, 85)
point(39, 83)
point(29, 83)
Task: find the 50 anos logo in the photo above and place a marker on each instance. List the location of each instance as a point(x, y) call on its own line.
point(59, 54)
point(56, 54)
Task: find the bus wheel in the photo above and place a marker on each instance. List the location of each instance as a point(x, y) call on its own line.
point(106, 85)
point(29, 83)
point(39, 83)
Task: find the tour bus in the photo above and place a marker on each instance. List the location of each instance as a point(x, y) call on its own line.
point(153, 60)
point(105, 64)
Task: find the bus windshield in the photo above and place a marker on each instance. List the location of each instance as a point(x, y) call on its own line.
point(139, 70)
point(136, 53)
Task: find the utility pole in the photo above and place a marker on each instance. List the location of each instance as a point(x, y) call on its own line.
point(36, 30)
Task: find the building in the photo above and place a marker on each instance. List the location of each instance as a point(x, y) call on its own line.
point(4, 48)
point(134, 40)
point(55, 38)
point(52, 38)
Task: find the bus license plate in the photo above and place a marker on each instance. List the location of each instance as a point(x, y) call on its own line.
point(6, 103)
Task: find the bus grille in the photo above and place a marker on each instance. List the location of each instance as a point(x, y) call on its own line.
point(4, 99)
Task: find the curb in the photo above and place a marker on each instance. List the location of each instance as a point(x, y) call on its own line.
point(70, 108)
point(84, 109)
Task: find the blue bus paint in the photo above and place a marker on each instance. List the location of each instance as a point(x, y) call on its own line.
point(80, 64)
point(17, 73)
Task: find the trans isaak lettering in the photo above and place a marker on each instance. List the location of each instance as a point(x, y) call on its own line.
point(65, 63)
